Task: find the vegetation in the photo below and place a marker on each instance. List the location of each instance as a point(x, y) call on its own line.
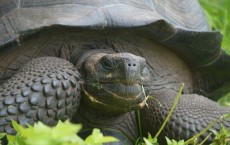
point(218, 15)
point(64, 133)
point(222, 137)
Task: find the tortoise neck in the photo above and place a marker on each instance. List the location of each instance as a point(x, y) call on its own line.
point(99, 108)
point(93, 118)
point(126, 123)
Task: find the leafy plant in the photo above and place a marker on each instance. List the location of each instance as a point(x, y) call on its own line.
point(97, 138)
point(225, 100)
point(174, 142)
point(64, 133)
point(223, 136)
point(150, 140)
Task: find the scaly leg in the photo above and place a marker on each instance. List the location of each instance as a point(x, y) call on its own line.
point(45, 89)
point(192, 114)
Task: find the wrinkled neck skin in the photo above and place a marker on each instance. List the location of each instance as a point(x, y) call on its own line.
point(125, 123)
point(93, 118)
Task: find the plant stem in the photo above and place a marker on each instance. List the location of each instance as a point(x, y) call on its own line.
point(170, 112)
point(205, 139)
point(203, 131)
point(139, 125)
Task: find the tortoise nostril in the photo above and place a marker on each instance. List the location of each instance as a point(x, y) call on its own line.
point(130, 64)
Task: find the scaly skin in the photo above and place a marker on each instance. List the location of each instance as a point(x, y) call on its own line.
point(48, 89)
point(192, 115)
point(45, 89)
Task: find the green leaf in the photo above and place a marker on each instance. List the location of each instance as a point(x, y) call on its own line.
point(15, 140)
point(40, 134)
point(64, 133)
point(169, 142)
point(222, 137)
point(147, 142)
point(152, 140)
point(2, 135)
point(97, 138)
point(65, 128)
point(174, 142)
point(227, 116)
point(16, 126)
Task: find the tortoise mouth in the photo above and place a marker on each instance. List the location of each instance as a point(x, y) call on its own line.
point(117, 89)
point(123, 90)
point(118, 95)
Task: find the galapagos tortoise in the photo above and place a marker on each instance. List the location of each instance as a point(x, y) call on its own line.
point(88, 61)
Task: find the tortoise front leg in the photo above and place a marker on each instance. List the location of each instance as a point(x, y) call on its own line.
point(45, 89)
point(192, 114)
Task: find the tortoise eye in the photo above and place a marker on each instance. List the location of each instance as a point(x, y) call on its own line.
point(107, 64)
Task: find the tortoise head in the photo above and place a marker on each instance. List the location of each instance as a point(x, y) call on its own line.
point(113, 83)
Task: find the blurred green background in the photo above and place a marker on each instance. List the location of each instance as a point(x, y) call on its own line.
point(218, 16)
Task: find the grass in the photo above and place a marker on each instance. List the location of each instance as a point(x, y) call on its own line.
point(218, 16)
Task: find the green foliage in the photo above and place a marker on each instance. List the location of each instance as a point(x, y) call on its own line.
point(150, 140)
point(218, 15)
point(1, 136)
point(225, 100)
point(64, 133)
point(223, 136)
point(174, 142)
point(97, 138)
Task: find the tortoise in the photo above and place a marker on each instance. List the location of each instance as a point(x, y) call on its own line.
point(94, 63)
